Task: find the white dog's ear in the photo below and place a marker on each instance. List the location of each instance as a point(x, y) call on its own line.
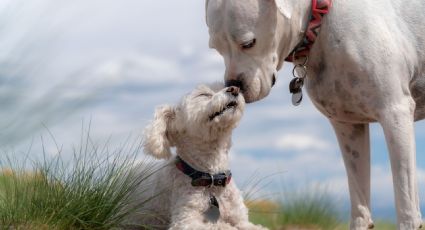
point(212, 7)
point(284, 7)
point(206, 10)
point(206, 4)
point(156, 136)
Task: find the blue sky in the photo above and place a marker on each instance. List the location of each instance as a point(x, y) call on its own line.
point(63, 63)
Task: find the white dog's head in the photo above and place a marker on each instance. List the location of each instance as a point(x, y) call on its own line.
point(206, 114)
point(248, 34)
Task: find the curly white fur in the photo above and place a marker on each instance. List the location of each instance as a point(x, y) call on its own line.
point(200, 128)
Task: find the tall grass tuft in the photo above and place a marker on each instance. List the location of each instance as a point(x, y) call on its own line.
point(302, 211)
point(314, 208)
point(308, 209)
point(92, 190)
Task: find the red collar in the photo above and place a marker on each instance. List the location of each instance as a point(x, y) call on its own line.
point(319, 8)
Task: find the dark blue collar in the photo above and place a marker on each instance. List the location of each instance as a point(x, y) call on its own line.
point(202, 178)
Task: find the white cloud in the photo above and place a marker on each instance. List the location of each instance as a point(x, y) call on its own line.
point(302, 142)
point(139, 69)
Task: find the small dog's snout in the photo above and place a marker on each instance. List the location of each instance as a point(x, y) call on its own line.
point(233, 90)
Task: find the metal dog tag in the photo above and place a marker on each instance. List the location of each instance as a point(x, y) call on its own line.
point(213, 212)
point(297, 98)
point(295, 87)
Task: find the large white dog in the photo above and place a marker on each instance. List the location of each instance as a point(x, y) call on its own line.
point(366, 65)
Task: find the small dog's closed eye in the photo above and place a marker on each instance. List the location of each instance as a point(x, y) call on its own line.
point(197, 190)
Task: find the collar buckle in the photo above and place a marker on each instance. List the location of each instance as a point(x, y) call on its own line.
point(202, 178)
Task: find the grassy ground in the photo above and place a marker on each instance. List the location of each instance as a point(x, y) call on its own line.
point(310, 208)
point(90, 198)
point(91, 190)
point(88, 192)
point(305, 210)
point(301, 215)
point(379, 225)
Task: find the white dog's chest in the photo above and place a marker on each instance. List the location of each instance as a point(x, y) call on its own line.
point(343, 97)
point(353, 97)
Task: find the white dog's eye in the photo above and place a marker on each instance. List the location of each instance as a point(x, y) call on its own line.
point(248, 44)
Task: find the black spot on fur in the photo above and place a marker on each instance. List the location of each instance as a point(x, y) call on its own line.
point(347, 148)
point(346, 112)
point(357, 131)
point(353, 79)
point(341, 92)
point(322, 103)
point(355, 154)
point(321, 67)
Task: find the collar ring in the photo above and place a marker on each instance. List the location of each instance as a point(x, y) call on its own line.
point(212, 181)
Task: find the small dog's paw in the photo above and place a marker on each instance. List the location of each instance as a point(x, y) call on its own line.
point(224, 226)
point(259, 227)
point(250, 226)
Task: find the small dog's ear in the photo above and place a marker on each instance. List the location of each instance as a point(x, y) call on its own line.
point(156, 139)
point(284, 7)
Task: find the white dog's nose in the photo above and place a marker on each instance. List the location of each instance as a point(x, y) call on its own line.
point(233, 90)
point(237, 83)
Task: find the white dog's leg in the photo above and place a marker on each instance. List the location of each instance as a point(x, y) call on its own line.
point(398, 126)
point(187, 212)
point(234, 209)
point(249, 226)
point(195, 223)
point(354, 143)
point(238, 214)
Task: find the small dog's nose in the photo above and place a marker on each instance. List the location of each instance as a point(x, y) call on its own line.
point(233, 90)
point(273, 80)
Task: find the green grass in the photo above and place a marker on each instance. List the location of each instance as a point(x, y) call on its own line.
point(379, 225)
point(305, 219)
point(92, 191)
point(89, 191)
point(310, 209)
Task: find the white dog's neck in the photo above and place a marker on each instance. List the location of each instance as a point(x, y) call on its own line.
point(293, 29)
point(207, 156)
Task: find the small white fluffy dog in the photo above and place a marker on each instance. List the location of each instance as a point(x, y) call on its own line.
point(200, 128)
